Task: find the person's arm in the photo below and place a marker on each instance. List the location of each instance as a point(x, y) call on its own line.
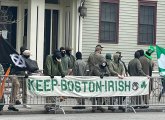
point(139, 68)
point(129, 68)
point(122, 71)
point(60, 69)
point(111, 70)
point(125, 68)
point(48, 65)
point(69, 66)
point(75, 69)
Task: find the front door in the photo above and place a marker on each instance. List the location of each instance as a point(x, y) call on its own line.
point(51, 31)
point(8, 24)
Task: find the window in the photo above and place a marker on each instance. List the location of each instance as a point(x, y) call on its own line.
point(52, 1)
point(109, 21)
point(147, 22)
point(8, 14)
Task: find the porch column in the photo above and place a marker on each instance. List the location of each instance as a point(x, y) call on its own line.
point(35, 35)
point(77, 27)
point(20, 25)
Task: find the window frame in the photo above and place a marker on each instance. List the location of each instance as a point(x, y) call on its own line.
point(52, 2)
point(147, 3)
point(117, 22)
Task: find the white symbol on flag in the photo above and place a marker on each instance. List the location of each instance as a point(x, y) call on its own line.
point(18, 60)
point(4, 34)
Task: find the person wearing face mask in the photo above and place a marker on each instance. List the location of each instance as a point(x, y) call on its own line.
point(69, 54)
point(17, 81)
point(125, 68)
point(31, 65)
point(31, 68)
point(25, 53)
point(117, 69)
point(53, 67)
point(65, 61)
point(79, 70)
point(135, 69)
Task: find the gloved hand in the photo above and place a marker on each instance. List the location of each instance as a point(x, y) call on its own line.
point(120, 76)
point(62, 76)
point(106, 74)
point(103, 65)
point(52, 76)
point(26, 75)
point(101, 76)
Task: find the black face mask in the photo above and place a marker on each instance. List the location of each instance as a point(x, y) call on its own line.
point(63, 53)
point(26, 56)
point(68, 52)
point(56, 56)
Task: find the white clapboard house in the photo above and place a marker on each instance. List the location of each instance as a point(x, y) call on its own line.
point(118, 25)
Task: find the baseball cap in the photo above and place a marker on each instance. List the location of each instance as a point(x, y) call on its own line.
point(27, 52)
point(99, 46)
point(118, 52)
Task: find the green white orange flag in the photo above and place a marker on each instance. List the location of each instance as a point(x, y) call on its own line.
point(161, 60)
point(2, 85)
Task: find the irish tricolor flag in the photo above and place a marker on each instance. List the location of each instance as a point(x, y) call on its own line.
point(161, 60)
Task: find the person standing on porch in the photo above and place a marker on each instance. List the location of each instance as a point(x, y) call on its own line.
point(65, 61)
point(25, 53)
point(69, 54)
point(125, 68)
point(53, 67)
point(79, 69)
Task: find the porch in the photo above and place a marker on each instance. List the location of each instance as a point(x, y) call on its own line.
point(42, 25)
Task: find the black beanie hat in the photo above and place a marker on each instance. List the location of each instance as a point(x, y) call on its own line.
point(137, 54)
point(56, 54)
point(141, 52)
point(22, 49)
point(78, 55)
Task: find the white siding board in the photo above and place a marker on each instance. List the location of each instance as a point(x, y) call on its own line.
point(128, 21)
point(161, 23)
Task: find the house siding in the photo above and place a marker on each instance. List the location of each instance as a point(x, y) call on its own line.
point(128, 29)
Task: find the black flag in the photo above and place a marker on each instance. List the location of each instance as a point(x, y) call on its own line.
point(5, 51)
point(8, 55)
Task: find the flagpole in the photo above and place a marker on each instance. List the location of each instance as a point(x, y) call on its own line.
point(2, 87)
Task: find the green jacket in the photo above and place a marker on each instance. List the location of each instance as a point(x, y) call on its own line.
point(94, 62)
point(72, 59)
point(66, 64)
point(135, 68)
point(52, 67)
point(116, 66)
point(109, 65)
point(146, 65)
point(79, 68)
